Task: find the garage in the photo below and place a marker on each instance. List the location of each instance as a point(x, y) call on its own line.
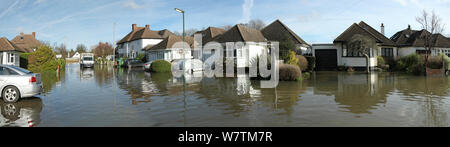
point(326, 59)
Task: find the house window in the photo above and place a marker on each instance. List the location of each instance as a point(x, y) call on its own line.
point(387, 52)
point(11, 58)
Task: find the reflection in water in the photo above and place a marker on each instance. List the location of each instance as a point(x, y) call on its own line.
point(25, 113)
point(328, 99)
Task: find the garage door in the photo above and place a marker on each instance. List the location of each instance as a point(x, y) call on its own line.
point(326, 59)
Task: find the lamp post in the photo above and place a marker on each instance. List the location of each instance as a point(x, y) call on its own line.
point(183, 53)
point(184, 66)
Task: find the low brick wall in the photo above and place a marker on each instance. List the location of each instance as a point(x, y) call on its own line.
point(435, 72)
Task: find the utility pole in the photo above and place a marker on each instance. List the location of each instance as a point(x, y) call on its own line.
point(114, 62)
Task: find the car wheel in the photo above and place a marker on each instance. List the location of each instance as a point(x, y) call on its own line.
point(10, 94)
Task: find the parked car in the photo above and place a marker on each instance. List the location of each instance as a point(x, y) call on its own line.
point(87, 60)
point(16, 83)
point(133, 63)
point(147, 65)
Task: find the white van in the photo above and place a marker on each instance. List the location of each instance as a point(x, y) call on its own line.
point(87, 60)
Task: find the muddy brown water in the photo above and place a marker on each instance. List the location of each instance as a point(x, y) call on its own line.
point(106, 97)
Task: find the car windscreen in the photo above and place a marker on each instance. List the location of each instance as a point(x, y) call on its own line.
point(87, 58)
point(21, 69)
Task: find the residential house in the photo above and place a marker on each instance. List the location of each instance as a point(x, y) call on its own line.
point(26, 42)
point(76, 55)
point(208, 35)
point(278, 31)
point(139, 38)
point(9, 52)
point(254, 44)
point(169, 50)
point(412, 41)
point(330, 56)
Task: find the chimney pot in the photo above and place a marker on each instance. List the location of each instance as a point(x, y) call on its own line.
point(133, 27)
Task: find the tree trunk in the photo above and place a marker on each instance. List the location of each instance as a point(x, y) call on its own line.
point(367, 63)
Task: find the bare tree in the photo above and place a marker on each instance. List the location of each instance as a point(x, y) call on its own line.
point(257, 24)
point(226, 27)
point(434, 25)
point(363, 45)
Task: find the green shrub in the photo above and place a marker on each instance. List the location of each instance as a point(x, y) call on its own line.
point(311, 62)
point(161, 66)
point(44, 60)
point(292, 59)
point(380, 61)
point(302, 62)
point(409, 61)
point(141, 57)
point(446, 60)
point(289, 72)
point(306, 75)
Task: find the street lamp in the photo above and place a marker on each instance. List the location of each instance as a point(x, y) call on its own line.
point(184, 54)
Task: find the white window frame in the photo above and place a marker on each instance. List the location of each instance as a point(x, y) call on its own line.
point(11, 58)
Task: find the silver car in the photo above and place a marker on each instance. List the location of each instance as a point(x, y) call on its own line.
point(16, 83)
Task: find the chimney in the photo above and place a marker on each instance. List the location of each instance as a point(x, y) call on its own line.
point(409, 27)
point(21, 33)
point(34, 34)
point(133, 27)
point(382, 28)
point(147, 27)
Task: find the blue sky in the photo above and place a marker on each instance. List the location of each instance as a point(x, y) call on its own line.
point(316, 21)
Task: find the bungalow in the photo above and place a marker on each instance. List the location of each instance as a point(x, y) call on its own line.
point(138, 39)
point(278, 31)
point(254, 44)
point(412, 41)
point(330, 56)
point(26, 42)
point(168, 49)
point(208, 35)
point(9, 52)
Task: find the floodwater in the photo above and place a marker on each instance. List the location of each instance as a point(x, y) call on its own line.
point(106, 97)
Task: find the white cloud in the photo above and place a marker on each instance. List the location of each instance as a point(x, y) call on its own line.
point(246, 10)
point(131, 4)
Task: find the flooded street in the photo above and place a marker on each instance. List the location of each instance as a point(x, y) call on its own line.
point(91, 97)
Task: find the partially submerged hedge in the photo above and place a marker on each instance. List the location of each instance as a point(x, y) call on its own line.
point(161, 66)
point(302, 62)
point(289, 72)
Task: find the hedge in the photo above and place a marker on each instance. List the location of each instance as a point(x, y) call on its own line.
point(311, 62)
point(161, 66)
point(289, 72)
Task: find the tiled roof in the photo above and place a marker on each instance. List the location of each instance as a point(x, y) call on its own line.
point(210, 33)
point(6, 45)
point(241, 33)
point(364, 29)
point(145, 33)
point(277, 31)
point(416, 38)
point(26, 42)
